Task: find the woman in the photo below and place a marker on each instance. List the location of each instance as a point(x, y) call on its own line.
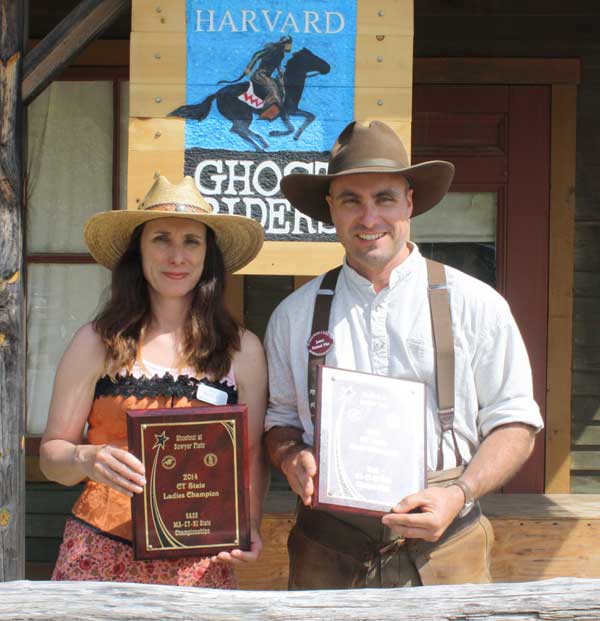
point(164, 331)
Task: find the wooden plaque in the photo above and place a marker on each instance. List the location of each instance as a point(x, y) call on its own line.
point(370, 441)
point(195, 501)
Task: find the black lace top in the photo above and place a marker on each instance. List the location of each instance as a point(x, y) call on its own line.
point(129, 385)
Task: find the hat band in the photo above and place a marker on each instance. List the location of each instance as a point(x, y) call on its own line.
point(378, 162)
point(177, 208)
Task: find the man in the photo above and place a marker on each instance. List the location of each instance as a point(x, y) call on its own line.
point(480, 409)
point(269, 59)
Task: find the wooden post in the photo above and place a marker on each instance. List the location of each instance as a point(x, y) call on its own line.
point(12, 298)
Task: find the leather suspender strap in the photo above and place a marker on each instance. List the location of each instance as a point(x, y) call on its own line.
point(443, 342)
point(320, 324)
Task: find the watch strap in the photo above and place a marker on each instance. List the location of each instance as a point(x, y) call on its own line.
point(469, 498)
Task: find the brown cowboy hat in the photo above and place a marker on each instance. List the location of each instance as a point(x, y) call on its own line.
point(373, 148)
point(107, 234)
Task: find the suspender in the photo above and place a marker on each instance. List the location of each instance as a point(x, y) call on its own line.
point(320, 323)
point(439, 306)
point(443, 345)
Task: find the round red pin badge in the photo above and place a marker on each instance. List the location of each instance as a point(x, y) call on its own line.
point(320, 343)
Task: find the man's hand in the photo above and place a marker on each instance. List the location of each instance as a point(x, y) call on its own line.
point(299, 466)
point(295, 459)
point(434, 510)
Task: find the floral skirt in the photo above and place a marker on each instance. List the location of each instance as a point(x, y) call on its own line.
point(86, 554)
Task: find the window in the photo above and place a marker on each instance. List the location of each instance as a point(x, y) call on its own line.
point(77, 158)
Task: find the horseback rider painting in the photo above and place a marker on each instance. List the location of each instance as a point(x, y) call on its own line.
point(235, 104)
point(269, 59)
point(286, 94)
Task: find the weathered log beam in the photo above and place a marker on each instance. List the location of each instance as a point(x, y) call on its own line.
point(564, 598)
point(83, 24)
point(12, 299)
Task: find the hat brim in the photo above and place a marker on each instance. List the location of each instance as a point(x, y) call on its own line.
point(430, 180)
point(107, 234)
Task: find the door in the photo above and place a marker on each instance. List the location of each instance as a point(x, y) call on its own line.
point(498, 137)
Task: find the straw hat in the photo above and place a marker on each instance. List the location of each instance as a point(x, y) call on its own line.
point(373, 148)
point(107, 234)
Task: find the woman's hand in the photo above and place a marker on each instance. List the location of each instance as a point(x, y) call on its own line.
point(239, 557)
point(112, 466)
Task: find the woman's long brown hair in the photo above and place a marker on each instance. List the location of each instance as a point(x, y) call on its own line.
point(211, 335)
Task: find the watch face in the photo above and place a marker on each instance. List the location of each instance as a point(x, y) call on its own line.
point(466, 508)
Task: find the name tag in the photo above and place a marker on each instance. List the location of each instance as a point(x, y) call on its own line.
point(211, 395)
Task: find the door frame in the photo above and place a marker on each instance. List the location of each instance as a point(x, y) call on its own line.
point(563, 76)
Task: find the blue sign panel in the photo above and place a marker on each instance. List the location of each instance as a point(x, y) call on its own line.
point(270, 85)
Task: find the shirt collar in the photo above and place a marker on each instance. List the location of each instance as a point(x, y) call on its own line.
point(363, 286)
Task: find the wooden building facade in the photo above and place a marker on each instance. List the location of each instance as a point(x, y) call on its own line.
point(509, 91)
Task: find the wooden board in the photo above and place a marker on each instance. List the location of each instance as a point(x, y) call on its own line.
point(156, 134)
point(160, 58)
point(560, 291)
point(385, 17)
point(383, 90)
point(295, 258)
point(154, 100)
point(99, 53)
point(541, 549)
point(143, 166)
point(384, 61)
point(152, 16)
point(542, 507)
point(383, 103)
point(497, 70)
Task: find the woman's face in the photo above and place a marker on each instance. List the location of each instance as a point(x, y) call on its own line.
point(173, 251)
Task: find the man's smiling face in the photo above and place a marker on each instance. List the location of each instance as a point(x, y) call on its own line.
point(371, 213)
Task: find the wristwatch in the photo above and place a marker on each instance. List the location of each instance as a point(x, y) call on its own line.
point(469, 500)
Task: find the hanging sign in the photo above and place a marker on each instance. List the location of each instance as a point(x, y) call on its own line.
point(239, 94)
point(268, 89)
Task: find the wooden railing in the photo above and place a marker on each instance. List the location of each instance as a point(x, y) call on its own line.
point(561, 598)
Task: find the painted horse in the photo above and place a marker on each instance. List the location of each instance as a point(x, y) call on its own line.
point(232, 105)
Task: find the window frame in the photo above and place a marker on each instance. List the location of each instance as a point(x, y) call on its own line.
point(117, 75)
